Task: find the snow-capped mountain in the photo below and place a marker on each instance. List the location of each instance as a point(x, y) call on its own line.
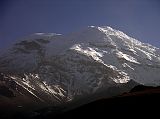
point(59, 68)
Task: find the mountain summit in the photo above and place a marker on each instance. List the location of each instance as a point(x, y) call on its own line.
point(55, 68)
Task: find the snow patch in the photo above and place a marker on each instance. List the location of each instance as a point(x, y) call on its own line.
point(126, 57)
point(146, 54)
point(29, 91)
point(127, 65)
point(88, 52)
point(122, 79)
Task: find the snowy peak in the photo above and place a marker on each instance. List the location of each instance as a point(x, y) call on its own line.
point(81, 63)
point(110, 31)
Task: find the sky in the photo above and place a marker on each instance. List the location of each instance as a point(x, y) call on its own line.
point(137, 18)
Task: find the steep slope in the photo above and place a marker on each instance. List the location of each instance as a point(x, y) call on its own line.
point(136, 104)
point(60, 68)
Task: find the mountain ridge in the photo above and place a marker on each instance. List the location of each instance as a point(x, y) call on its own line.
point(60, 68)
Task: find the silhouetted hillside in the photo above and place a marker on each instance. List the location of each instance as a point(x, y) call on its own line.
point(142, 100)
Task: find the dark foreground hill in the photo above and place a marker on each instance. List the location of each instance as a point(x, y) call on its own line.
point(141, 100)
